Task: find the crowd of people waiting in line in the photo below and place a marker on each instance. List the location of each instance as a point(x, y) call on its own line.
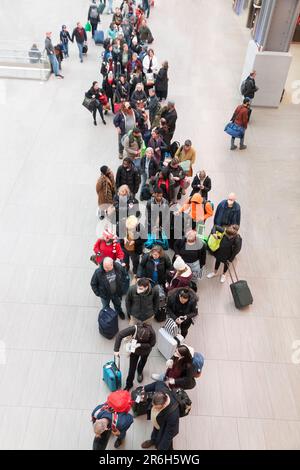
point(159, 171)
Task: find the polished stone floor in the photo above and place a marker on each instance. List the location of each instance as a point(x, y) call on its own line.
point(51, 353)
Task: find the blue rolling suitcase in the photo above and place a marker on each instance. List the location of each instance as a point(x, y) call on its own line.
point(108, 322)
point(99, 37)
point(112, 375)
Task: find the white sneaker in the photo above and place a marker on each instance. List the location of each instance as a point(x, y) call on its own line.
point(223, 278)
point(211, 275)
point(155, 376)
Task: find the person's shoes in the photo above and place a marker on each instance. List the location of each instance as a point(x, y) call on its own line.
point(59, 75)
point(233, 147)
point(211, 275)
point(120, 156)
point(155, 376)
point(140, 378)
point(81, 60)
point(147, 444)
point(127, 388)
point(95, 123)
point(118, 443)
point(223, 278)
point(121, 314)
point(104, 122)
point(243, 147)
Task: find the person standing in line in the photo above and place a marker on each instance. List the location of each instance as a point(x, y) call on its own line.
point(153, 106)
point(228, 212)
point(145, 336)
point(51, 55)
point(142, 302)
point(169, 113)
point(93, 93)
point(187, 153)
point(241, 118)
point(110, 282)
point(161, 83)
point(79, 34)
point(164, 417)
point(127, 174)
point(147, 7)
point(105, 189)
point(201, 184)
point(132, 244)
point(182, 308)
point(230, 246)
point(65, 37)
point(155, 265)
point(93, 17)
point(124, 121)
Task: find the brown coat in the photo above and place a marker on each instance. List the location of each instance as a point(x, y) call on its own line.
point(106, 189)
point(241, 116)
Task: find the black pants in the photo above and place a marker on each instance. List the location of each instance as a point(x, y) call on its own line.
point(134, 257)
point(154, 439)
point(217, 265)
point(138, 363)
point(184, 327)
point(100, 443)
point(111, 99)
point(94, 28)
point(100, 109)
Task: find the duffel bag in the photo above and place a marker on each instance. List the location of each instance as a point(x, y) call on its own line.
point(234, 130)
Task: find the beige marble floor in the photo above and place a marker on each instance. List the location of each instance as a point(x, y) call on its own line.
point(248, 396)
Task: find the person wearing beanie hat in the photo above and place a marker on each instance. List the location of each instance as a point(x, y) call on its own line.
point(132, 244)
point(106, 190)
point(180, 372)
point(107, 246)
point(181, 276)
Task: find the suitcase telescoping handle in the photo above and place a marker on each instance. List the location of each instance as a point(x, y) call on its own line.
point(230, 274)
point(117, 361)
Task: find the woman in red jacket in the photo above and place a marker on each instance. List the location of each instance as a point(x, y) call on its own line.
point(241, 118)
point(107, 246)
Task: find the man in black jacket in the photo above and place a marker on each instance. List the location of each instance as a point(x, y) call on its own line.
point(169, 113)
point(129, 175)
point(182, 308)
point(250, 87)
point(80, 35)
point(142, 302)
point(110, 282)
point(145, 338)
point(164, 416)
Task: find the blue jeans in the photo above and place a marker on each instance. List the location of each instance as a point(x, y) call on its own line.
point(115, 300)
point(65, 49)
point(80, 47)
point(110, 6)
point(54, 63)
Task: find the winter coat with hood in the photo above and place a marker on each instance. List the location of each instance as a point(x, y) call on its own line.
point(197, 209)
point(147, 267)
point(227, 215)
point(100, 284)
point(106, 189)
point(142, 306)
point(161, 84)
point(129, 177)
point(180, 280)
point(113, 250)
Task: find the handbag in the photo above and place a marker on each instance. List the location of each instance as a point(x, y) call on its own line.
point(234, 130)
point(150, 79)
point(89, 103)
point(88, 27)
point(186, 165)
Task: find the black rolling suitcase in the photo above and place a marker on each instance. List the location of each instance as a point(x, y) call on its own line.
point(141, 402)
point(240, 291)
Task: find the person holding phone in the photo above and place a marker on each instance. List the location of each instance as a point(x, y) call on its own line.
point(182, 308)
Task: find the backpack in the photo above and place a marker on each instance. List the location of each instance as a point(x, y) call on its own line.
point(244, 87)
point(197, 364)
point(184, 402)
point(119, 401)
point(94, 13)
point(145, 193)
point(143, 333)
point(174, 147)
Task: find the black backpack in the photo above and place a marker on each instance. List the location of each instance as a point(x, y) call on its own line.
point(143, 333)
point(174, 147)
point(184, 402)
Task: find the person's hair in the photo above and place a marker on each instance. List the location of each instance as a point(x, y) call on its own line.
point(236, 227)
point(158, 190)
point(135, 130)
point(252, 73)
point(128, 160)
point(148, 149)
point(230, 231)
point(185, 353)
point(184, 294)
point(150, 50)
point(122, 188)
point(139, 84)
point(246, 101)
point(143, 282)
point(175, 161)
point(159, 249)
point(94, 83)
point(159, 398)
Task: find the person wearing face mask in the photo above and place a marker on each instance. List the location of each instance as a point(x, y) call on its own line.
point(142, 302)
point(180, 372)
point(228, 212)
point(164, 417)
point(201, 184)
point(125, 121)
point(182, 308)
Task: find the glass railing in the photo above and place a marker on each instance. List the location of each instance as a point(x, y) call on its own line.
point(20, 63)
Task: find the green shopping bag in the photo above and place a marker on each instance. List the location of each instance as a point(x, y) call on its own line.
point(88, 26)
point(214, 243)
